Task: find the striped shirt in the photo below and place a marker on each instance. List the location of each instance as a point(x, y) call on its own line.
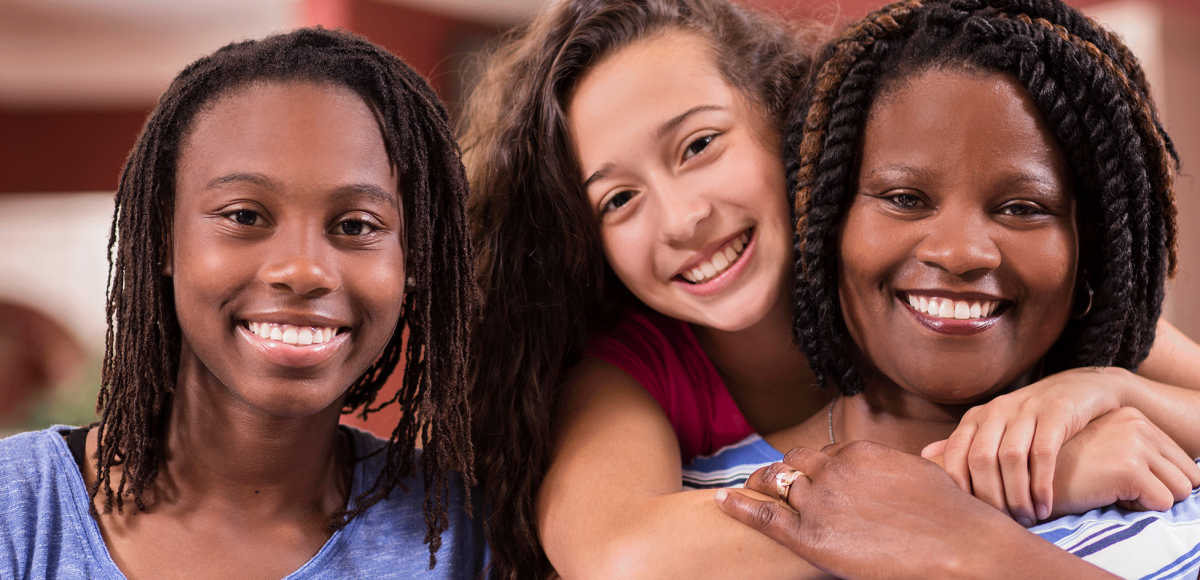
point(1141, 545)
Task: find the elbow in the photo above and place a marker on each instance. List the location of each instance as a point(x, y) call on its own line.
point(624, 558)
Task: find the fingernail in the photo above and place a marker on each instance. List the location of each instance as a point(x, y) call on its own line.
point(1043, 511)
point(721, 495)
point(1025, 522)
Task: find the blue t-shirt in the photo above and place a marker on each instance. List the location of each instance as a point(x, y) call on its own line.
point(1145, 545)
point(47, 532)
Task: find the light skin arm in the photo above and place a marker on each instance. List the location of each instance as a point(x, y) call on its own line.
point(611, 505)
point(860, 504)
point(1005, 451)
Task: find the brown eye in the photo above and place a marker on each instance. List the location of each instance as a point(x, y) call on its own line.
point(352, 228)
point(245, 217)
point(695, 147)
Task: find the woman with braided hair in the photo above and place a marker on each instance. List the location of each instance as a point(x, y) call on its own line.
point(290, 225)
point(625, 161)
point(986, 195)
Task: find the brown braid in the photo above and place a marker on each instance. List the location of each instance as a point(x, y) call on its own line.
point(845, 51)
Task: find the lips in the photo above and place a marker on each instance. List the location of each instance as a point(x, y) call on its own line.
point(954, 316)
point(292, 334)
point(294, 345)
point(941, 307)
point(721, 260)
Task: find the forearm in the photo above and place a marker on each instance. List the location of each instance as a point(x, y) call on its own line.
point(1012, 552)
point(1175, 410)
point(678, 535)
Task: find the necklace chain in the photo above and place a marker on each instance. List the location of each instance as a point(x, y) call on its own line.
point(831, 441)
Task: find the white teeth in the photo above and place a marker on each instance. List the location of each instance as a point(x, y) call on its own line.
point(719, 262)
point(956, 309)
point(291, 334)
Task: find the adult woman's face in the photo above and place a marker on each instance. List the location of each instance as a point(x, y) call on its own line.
point(959, 248)
point(684, 176)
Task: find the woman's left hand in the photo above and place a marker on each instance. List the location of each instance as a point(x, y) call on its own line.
point(863, 510)
point(1004, 452)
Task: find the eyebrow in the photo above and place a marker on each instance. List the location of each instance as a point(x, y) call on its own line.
point(371, 191)
point(663, 129)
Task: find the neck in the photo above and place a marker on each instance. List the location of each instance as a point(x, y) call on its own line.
point(222, 452)
point(766, 375)
point(886, 413)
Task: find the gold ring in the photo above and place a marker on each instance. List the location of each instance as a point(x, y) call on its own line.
point(783, 483)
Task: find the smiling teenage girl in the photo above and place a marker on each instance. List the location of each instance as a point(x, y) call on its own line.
point(974, 234)
point(290, 224)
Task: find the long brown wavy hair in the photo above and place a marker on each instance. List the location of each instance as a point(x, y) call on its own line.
point(540, 263)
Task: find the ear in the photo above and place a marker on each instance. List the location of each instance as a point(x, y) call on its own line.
point(168, 260)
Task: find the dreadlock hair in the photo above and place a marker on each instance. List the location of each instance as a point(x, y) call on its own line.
point(541, 266)
point(142, 344)
point(1094, 97)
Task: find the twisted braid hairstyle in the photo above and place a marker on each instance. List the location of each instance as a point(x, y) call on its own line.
point(541, 266)
point(1093, 95)
point(142, 344)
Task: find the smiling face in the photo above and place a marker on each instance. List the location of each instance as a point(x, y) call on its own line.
point(959, 248)
point(685, 179)
point(287, 245)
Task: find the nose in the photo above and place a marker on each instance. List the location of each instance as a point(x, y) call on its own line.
point(959, 244)
point(683, 210)
point(301, 263)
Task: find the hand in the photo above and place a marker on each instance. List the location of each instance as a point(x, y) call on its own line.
point(1005, 451)
point(869, 511)
point(1125, 459)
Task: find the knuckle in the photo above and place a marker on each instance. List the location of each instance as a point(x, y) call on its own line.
point(1012, 455)
point(980, 458)
point(764, 516)
point(1042, 452)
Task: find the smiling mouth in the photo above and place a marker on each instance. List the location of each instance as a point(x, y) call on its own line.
point(721, 260)
point(290, 333)
point(947, 308)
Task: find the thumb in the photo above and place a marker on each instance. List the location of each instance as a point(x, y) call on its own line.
point(934, 449)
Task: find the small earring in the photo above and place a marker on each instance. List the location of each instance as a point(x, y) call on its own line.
point(410, 283)
point(1087, 288)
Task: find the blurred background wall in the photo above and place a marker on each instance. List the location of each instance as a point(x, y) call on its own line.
point(78, 77)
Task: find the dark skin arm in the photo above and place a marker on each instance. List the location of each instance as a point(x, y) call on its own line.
point(865, 511)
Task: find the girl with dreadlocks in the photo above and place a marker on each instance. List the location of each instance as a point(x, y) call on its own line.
point(985, 185)
point(626, 153)
point(290, 225)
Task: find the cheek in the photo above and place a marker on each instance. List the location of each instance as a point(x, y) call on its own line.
point(628, 249)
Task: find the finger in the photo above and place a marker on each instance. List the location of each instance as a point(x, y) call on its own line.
point(1186, 465)
point(954, 456)
point(1048, 439)
point(769, 518)
point(1013, 458)
point(1173, 478)
point(934, 449)
point(811, 461)
point(1152, 494)
point(983, 460)
point(766, 480)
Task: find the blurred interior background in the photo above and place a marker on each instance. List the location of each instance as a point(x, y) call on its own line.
point(78, 77)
